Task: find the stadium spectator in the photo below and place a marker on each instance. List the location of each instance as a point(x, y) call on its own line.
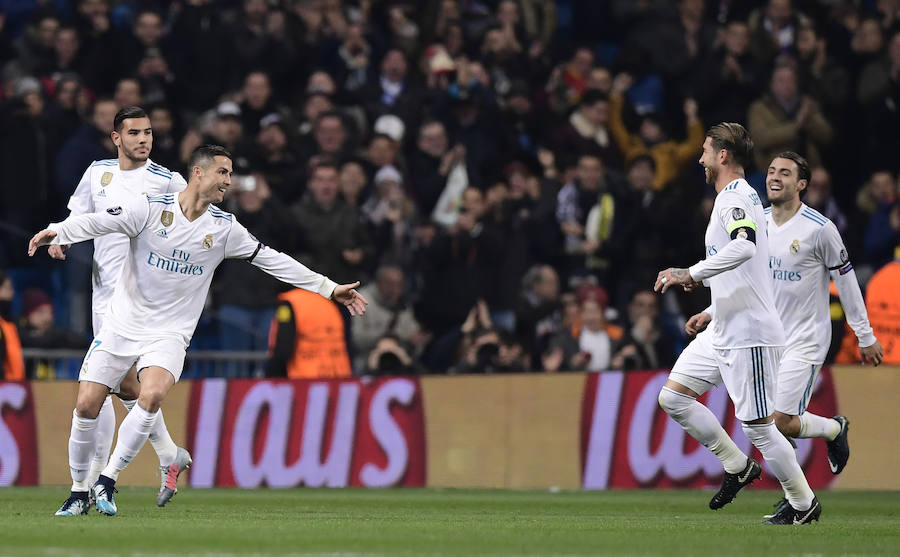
point(785, 119)
point(389, 357)
point(388, 314)
point(257, 102)
point(11, 363)
point(393, 92)
point(587, 131)
point(89, 143)
point(772, 30)
point(585, 212)
point(671, 156)
point(330, 234)
point(596, 338)
point(391, 214)
point(430, 165)
point(731, 82)
point(274, 157)
point(39, 330)
point(353, 183)
point(128, 92)
point(382, 152)
point(262, 39)
point(644, 345)
point(538, 314)
point(819, 197)
point(819, 74)
point(308, 338)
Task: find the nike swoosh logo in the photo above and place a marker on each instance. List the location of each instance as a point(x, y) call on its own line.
point(802, 519)
point(743, 478)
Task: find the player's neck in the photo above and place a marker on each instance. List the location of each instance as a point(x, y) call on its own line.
point(129, 164)
point(728, 175)
point(191, 205)
point(782, 212)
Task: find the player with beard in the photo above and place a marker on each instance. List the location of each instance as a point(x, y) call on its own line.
point(742, 346)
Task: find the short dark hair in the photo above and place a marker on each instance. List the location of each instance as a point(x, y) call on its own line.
point(735, 139)
point(643, 159)
point(803, 172)
point(324, 162)
point(592, 97)
point(126, 113)
point(204, 155)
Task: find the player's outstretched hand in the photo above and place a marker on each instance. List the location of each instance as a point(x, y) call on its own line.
point(872, 354)
point(42, 238)
point(697, 323)
point(347, 295)
point(58, 251)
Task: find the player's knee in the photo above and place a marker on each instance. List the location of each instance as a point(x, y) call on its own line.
point(151, 398)
point(788, 425)
point(673, 403)
point(87, 407)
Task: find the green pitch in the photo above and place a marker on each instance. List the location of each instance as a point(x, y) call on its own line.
point(351, 522)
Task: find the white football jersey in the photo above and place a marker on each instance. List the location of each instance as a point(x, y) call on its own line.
point(742, 308)
point(802, 253)
point(105, 185)
point(170, 261)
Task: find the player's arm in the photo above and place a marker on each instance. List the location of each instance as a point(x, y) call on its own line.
point(282, 338)
point(741, 228)
point(834, 256)
point(736, 217)
point(129, 219)
point(242, 245)
point(80, 202)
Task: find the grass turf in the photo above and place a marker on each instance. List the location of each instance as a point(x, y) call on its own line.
point(353, 522)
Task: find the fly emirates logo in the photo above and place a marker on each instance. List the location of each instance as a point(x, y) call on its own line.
point(178, 263)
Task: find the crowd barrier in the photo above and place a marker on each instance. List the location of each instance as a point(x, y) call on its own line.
point(567, 431)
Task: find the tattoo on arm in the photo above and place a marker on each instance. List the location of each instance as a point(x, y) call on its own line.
point(681, 275)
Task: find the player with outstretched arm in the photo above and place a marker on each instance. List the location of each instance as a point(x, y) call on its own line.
point(176, 243)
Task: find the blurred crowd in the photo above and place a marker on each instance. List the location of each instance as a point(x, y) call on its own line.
point(505, 177)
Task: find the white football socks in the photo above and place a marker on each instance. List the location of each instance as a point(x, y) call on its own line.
point(106, 429)
point(703, 426)
point(82, 439)
point(133, 434)
point(782, 461)
point(812, 425)
point(165, 448)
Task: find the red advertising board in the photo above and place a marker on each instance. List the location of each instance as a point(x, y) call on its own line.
point(18, 435)
point(287, 433)
point(628, 441)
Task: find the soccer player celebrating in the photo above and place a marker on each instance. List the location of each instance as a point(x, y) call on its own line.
point(743, 344)
point(176, 242)
point(805, 251)
point(110, 183)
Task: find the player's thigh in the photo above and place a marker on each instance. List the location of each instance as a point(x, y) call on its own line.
point(90, 399)
point(106, 362)
point(130, 387)
point(796, 380)
point(697, 367)
point(750, 375)
point(167, 354)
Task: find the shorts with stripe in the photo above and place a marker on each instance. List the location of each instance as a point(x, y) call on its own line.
point(796, 381)
point(749, 374)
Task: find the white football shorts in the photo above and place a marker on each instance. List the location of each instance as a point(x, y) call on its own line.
point(796, 381)
point(749, 374)
point(111, 355)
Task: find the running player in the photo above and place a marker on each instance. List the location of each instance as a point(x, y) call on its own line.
point(176, 243)
point(109, 183)
point(743, 344)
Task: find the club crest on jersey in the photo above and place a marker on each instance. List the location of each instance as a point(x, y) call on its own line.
point(166, 218)
point(207, 241)
point(795, 246)
point(742, 234)
point(106, 179)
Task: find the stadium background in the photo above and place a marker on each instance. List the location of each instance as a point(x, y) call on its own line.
point(496, 111)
